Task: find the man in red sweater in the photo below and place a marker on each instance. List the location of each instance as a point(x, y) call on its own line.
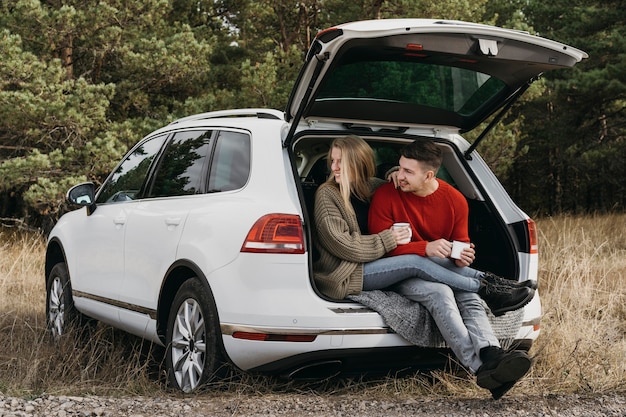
point(438, 214)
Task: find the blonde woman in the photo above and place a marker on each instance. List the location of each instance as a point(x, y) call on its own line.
point(341, 208)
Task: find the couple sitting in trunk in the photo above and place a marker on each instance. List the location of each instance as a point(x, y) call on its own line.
point(360, 250)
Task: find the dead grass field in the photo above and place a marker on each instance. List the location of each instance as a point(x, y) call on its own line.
point(582, 348)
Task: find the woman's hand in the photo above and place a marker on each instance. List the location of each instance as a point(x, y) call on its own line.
point(400, 234)
point(393, 177)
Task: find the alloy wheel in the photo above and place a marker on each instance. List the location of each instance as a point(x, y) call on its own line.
point(56, 308)
point(188, 347)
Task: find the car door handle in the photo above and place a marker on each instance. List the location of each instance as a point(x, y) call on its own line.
point(119, 220)
point(172, 221)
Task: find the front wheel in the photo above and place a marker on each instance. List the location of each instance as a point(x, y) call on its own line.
point(61, 314)
point(193, 353)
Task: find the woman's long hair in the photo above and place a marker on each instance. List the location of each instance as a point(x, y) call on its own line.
point(357, 167)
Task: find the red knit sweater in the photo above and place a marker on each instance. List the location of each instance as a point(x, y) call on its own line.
point(442, 214)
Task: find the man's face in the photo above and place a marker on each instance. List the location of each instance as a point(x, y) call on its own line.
point(413, 177)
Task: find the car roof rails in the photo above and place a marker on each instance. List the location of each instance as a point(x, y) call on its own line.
point(260, 113)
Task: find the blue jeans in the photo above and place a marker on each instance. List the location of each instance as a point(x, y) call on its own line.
point(460, 317)
point(385, 272)
point(447, 292)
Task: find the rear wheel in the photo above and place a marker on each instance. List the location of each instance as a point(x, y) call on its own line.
point(193, 351)
point(61, 315)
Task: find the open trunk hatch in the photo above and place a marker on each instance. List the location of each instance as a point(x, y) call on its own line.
point(419, 72)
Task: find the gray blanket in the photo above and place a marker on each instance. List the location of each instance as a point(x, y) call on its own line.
point(413, 322)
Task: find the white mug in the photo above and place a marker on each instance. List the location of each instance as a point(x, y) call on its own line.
point(404, 226)
point(457, 248)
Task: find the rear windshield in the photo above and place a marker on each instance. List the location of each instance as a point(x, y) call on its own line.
point(403, 79)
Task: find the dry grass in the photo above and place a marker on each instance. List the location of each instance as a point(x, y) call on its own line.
point(582, 347)
point(582, 271)
point(106, 362)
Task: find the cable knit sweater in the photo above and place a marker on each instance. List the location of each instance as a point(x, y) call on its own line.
point(343, 249)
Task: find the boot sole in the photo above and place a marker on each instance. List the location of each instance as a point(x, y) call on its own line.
point(499, 392)
point(500, 311)
point(510, 369)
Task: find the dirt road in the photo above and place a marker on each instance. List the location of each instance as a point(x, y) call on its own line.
point(290, 405)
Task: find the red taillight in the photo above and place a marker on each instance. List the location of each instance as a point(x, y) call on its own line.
point(532, 236)
point(275, 233)
point(264, 337)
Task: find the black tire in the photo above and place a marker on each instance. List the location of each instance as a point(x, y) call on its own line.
point(193, 350)
point(61, 315)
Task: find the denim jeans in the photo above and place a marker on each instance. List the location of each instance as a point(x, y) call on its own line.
point(448, 293)
point(385, 272)
point(460, 317)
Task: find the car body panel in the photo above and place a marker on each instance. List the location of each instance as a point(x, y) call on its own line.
point(95, 248)
point(153, 232)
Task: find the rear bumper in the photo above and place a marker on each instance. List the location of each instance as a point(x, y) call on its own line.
point(374, 361)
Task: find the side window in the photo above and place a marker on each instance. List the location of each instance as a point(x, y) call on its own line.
point(182, 167)
point(230, 166)
point(125, 183)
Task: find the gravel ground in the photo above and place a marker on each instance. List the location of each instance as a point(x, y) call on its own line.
point(613, 405)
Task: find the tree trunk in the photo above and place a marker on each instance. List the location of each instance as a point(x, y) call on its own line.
point(66, 57)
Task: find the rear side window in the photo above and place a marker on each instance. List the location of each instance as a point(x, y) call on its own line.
point(183, 165)
point(126, 182)
point(230, 166)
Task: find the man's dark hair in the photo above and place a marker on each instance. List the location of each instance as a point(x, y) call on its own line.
point(424, 151)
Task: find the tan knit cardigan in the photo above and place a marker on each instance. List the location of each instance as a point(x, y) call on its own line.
point(343, 249)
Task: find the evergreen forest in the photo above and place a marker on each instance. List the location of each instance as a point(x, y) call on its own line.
point(81, 81)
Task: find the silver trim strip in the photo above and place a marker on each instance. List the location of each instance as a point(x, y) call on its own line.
point(229, 329)
point(360, 310)
point(115, 303)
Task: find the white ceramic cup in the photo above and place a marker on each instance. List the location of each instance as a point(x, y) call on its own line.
point(457, 248)
point(404, 226)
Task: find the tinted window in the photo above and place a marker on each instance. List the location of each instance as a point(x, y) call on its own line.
point(231, 163)
point(125, 183)
point(398, 79)
point(183, 165)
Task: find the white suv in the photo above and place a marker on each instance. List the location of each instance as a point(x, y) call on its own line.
point(200, 239)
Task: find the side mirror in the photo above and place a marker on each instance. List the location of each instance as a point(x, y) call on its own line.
point(83, 195)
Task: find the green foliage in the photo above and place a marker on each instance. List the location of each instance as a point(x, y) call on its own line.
point(340, 11)
point(38, 101)
point(502, 148)
point(575, 133)
point(267, 83)
point(469, 10)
